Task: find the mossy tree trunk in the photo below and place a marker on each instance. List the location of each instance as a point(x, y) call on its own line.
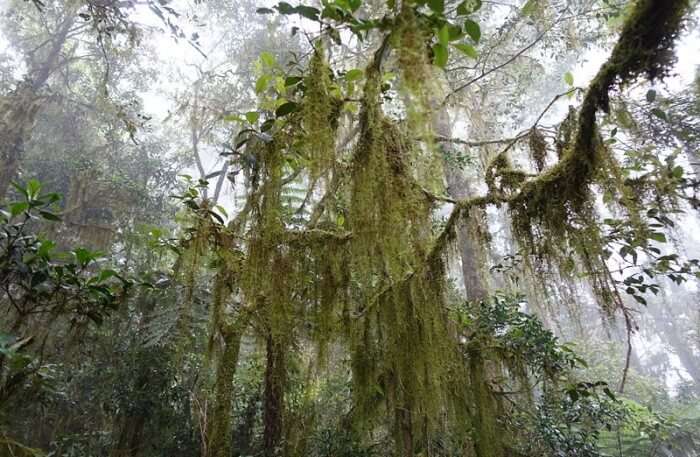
point(487, 442)
point(273, 397)
point(20, 109)
point(220, 436)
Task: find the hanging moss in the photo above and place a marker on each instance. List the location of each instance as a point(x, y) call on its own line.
point(389, 216)
point(485, 433)
point(501, 177)
point(556, 210)
point(401, 358)
point(409, 39)
point(401, 345)
point(566, 131)
point(538, 148)
point(386, 277)
point(644, 47)
point(320, 111)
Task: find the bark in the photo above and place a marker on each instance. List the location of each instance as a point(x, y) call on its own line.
point(130, 439)
point(404, 422)
point(273, 397)
point(484, 425)
point(220, 441)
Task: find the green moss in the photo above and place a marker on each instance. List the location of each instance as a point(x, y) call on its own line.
point(220, 434)
point(538, 148)
point(409, 39)
point(554, 213)
point(383, 284)
point(485, 433)
point(320, 111)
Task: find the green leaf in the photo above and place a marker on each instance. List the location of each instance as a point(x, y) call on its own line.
point(569, 78)
point(677, 172)
point(658, 236)
point(18, 208)
point(660, 114)
point(19, 188)
point(33, 188)
point(216, 216)
point(473, 30)
point(292, 81)
point(83, 256)
point(49, 216)
point(529, 8)
point(51, 197)
point(106, 274)
point(640, 299)
point(609, 393)
point(467, 50)
point(437, 5)
point(441, 55)
point(222, 210)
point(285, 8)
point(455, 32)
point(262, 83)
point(286, 109)
point(354, 75)
point(252, 116)
point(443, 35)
point(264, 11)
point(468, 7)
point(308, 12)
point(651, 95)
point(354, 4)
point(45, 248)
point(267, 125)
point(333, 12)
point(267, 59)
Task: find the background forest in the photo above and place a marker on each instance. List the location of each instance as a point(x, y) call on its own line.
point(349, 228)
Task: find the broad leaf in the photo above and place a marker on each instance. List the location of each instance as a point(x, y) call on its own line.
point(467, 50)
point(441, 55)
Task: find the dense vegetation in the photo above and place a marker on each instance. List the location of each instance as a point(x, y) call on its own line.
point(349, 228)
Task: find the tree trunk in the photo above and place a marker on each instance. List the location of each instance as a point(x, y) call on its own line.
point(220, 438)
point(18, 111)
point(473, 256)
point(484, 425)
point(130, 436)
point(470, 248)
point(273, 398)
